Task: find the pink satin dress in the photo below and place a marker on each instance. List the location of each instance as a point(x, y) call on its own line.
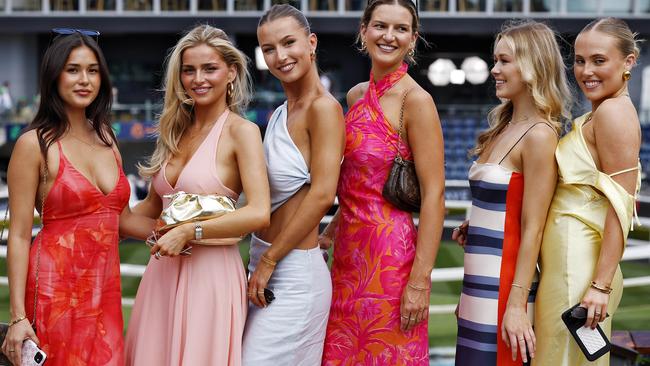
point(191, 310)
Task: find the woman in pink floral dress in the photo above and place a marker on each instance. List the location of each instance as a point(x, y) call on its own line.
point(382, 264)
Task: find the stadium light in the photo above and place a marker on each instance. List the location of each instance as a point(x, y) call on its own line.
point(476, 70)
point(440, 70)
point(457, 77)
point(259, 59)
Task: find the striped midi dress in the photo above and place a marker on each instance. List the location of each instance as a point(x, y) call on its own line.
point(490, 258)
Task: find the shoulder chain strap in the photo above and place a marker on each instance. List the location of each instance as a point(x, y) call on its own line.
point(40, 240)
point(401, 123)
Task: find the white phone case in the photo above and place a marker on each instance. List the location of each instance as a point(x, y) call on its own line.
point(31, 355)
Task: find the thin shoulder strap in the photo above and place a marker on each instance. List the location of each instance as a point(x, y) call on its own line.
point(400, 131)
point(624, 171)
point(521, 137)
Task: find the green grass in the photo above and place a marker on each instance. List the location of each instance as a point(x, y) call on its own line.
point(633, 312)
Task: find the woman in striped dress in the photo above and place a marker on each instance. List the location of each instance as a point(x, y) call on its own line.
point(512, 183)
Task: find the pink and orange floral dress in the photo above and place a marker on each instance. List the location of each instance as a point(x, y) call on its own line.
point(79, 304)
point(374, 248)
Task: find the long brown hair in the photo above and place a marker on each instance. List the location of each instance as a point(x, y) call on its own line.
point(51, 120)
point(408, 4)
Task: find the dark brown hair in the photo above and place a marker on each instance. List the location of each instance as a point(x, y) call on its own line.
point(51, 120)
point(278, 11)
point(408, 4)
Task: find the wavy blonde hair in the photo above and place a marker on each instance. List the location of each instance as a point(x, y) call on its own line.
point(538, 56)
point(178, 108)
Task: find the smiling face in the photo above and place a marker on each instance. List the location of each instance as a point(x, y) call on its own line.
point(287, 48)
point(79, 82)
point(389, 34)
point(599, 65)
point(506, 72)
point(205, 75)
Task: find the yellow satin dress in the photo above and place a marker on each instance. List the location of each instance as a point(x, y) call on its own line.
point(571, 246)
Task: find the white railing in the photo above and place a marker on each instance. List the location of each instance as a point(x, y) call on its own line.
point(636, 250)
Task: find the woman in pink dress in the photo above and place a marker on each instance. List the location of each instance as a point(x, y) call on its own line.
point(382, 264)
point(191, 310)
point(68, 158)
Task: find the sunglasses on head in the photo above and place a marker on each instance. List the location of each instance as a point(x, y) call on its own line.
point(62, 32)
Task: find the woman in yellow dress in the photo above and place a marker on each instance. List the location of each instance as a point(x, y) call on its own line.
point(593, 207)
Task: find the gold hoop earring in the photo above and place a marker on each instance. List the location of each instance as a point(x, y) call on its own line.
point(363, 46)
point(230, 89)
point(312, 55)
point(627, 75)
point(411, 52)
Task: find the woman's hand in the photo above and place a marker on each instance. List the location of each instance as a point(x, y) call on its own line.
point(258, 281)
point(459, 234)
point(517, 332)
point(173, 241)
point(13, 343)
point(325, 241)
point(596, 304)
point(414, 306)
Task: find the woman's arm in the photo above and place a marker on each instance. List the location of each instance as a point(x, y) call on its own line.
point(24, 176)
point(140, 221)
point(253, 216)
point(327, 140)
point(618, 140)
point(328, 236)
point(540, 176)
point(425, 139)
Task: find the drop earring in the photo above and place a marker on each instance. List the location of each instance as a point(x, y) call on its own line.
point(627, 75)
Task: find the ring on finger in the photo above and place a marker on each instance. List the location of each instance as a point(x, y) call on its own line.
point(405, 317)
point(157, 255)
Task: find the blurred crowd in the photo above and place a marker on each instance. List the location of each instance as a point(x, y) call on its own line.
point(19, 111)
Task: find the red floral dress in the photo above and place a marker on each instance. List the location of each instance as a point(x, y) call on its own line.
point(79, 311)
point(374, 248)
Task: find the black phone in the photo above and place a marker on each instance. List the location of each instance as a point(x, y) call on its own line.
point(592, 342)
point(269, 296)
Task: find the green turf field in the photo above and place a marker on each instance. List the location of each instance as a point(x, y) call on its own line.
point(633, 313)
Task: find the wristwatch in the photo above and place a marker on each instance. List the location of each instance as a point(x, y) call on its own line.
point(198, 231)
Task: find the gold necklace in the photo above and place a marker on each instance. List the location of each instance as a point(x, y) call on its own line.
point(91, 146)
point(511, 122)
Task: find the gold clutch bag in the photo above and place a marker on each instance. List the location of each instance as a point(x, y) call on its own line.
point(189, 207)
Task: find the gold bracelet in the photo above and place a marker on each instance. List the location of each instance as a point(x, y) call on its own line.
point(417, 288)
point(268, 260)
point(520, 286)
point(16, 321)
point(604, 289)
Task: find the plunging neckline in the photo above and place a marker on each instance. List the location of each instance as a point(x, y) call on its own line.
point(97, 189)
point(174, 186)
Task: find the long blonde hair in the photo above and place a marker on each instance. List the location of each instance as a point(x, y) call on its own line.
point(538, 56)
point(178, 113)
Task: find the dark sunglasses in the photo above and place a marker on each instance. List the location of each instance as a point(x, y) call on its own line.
point(61, 32)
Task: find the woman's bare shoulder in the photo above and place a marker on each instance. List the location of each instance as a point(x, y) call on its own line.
point(356, 92)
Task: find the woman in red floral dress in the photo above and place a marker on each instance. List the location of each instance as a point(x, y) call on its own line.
point(73, 264)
